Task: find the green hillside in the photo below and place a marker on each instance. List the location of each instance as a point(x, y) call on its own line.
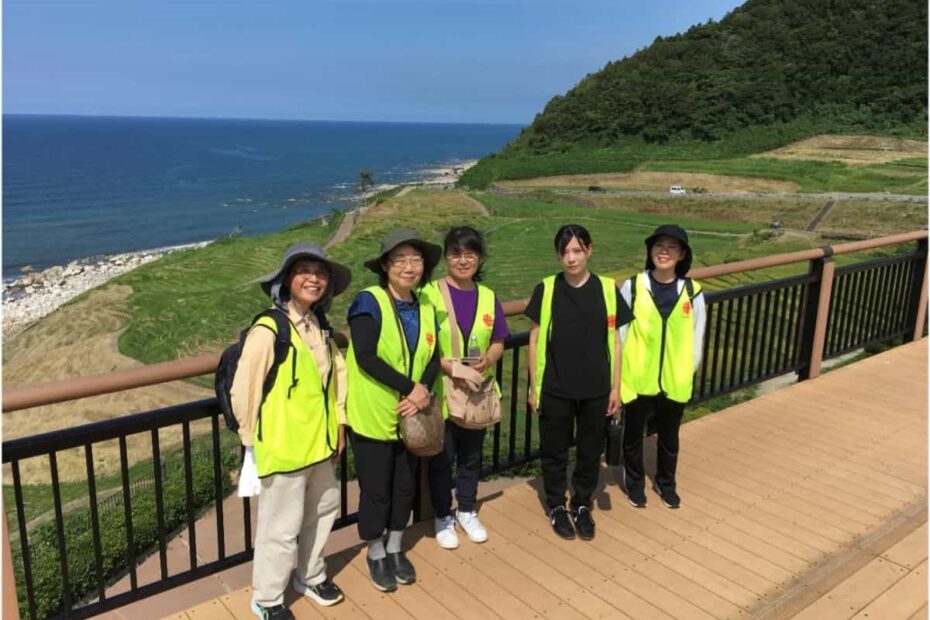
point(769, 73)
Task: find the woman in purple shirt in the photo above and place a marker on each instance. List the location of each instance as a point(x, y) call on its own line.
point(465, 255)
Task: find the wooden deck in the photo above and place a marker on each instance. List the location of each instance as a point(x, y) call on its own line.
point(808, 502)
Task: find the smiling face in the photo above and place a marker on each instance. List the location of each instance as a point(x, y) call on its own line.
point(666, 252)
point(575, 257)
point(404, 267)
point(307, 281)
point(462, 264)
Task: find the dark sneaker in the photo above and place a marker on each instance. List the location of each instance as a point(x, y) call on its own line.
point(275, 612)
point(561, 524)
point(637, 498)
point(382, 574)
point(325, 594)
point(404, 572)
point(584, 522)
point(669, 497)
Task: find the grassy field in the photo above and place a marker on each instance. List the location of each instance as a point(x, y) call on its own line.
point(779, 154)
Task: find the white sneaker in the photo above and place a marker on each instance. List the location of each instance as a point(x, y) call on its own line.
point(469, 522)
point(445, 532)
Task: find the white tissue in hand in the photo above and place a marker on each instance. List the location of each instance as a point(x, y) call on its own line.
point(249, 483)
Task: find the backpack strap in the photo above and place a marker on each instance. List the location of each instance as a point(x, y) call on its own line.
point(689, 286)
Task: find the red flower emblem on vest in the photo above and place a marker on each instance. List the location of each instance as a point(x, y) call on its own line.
point(612, 321)
point(429, 338)
point(686, 308)
point(488, 320)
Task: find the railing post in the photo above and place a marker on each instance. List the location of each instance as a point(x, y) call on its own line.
point(917, 312)
point(816, 311)
point(10, 604)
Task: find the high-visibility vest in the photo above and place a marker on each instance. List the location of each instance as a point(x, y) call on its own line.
point(298, 424)
point(658, 354)
point(481, 328)
point(609, 287)
point(371, 406)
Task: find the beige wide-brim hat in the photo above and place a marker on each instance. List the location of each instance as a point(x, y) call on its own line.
point(406, 236)
point(340, 275)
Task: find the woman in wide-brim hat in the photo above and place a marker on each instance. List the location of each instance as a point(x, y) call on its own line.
point(392, 361)
point(294, 431)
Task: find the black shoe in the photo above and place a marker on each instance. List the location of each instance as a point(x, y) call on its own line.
point(561, 524)
point(275, 612)
point(404, 572)
point(669, 497)
point(325, 594)
point(584, 522)
point(637, 498)
point(382, 574)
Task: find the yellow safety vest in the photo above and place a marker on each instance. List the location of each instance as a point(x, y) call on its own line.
point(658, 354)
point(298, 418)
point(371, 406)
point(609, 287)
point(482, 327)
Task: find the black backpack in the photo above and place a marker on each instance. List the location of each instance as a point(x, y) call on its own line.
point(229, 361)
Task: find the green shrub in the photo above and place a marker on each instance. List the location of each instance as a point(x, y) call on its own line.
point(78, 534)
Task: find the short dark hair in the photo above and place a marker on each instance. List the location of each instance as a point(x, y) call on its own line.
point(569, 232)
point(462, 238)
point(424, 279)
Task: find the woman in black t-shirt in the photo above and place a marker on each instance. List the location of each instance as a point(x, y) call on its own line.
point(574, 376)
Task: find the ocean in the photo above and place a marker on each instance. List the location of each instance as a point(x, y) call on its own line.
point(76, 187)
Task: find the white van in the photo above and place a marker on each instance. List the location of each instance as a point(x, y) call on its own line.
point(676, 189)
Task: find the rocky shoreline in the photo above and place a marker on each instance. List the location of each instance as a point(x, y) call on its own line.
point(38, 293)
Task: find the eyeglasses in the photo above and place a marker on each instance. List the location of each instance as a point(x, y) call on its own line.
point(468, 257)
point(403, 261)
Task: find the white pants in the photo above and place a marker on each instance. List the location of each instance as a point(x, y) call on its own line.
point(295, 512)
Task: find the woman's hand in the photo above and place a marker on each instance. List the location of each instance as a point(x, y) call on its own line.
point(419, 396)
point(445, 363)
point(482, 364)
point(340, 445)
point(406, 408)
point(613, 402)
point(531, 401)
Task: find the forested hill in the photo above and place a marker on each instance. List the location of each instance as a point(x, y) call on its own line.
point(833, 65)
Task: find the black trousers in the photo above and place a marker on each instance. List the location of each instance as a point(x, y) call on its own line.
point(387, 484)
point(667, 416)
point(462, 448)
point(563, 422)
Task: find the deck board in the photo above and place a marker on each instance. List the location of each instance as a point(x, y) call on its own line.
point(779, 495)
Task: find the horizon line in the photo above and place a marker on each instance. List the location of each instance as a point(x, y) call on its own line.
point(243, 118)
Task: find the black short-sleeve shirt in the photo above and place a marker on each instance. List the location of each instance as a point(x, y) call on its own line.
point(577, 362)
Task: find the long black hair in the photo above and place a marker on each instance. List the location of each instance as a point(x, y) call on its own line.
point(466, 239)
point(569, 232)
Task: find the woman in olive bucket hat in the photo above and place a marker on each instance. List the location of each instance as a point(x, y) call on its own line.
point(295, 433)
point(392, 361)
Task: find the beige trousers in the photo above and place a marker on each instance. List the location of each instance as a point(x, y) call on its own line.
point(295, 513)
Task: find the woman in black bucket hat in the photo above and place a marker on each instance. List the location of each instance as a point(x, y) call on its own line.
point(393, 359)
point(294, 432)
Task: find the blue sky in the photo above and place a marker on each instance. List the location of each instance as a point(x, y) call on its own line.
point(423, 60)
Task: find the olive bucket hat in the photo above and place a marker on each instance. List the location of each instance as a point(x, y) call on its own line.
point(675, 232)
point(339, 275)
point(406, 236)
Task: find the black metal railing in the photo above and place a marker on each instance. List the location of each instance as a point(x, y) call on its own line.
point(753, 333)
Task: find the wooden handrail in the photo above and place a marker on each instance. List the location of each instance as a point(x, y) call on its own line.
point(81, 387)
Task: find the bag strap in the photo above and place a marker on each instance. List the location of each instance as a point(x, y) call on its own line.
point(453, 321)
point(408, 364)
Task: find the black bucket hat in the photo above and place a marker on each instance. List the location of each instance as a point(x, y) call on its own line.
point(675, 232)
point(339, 275)
point(406, 236)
